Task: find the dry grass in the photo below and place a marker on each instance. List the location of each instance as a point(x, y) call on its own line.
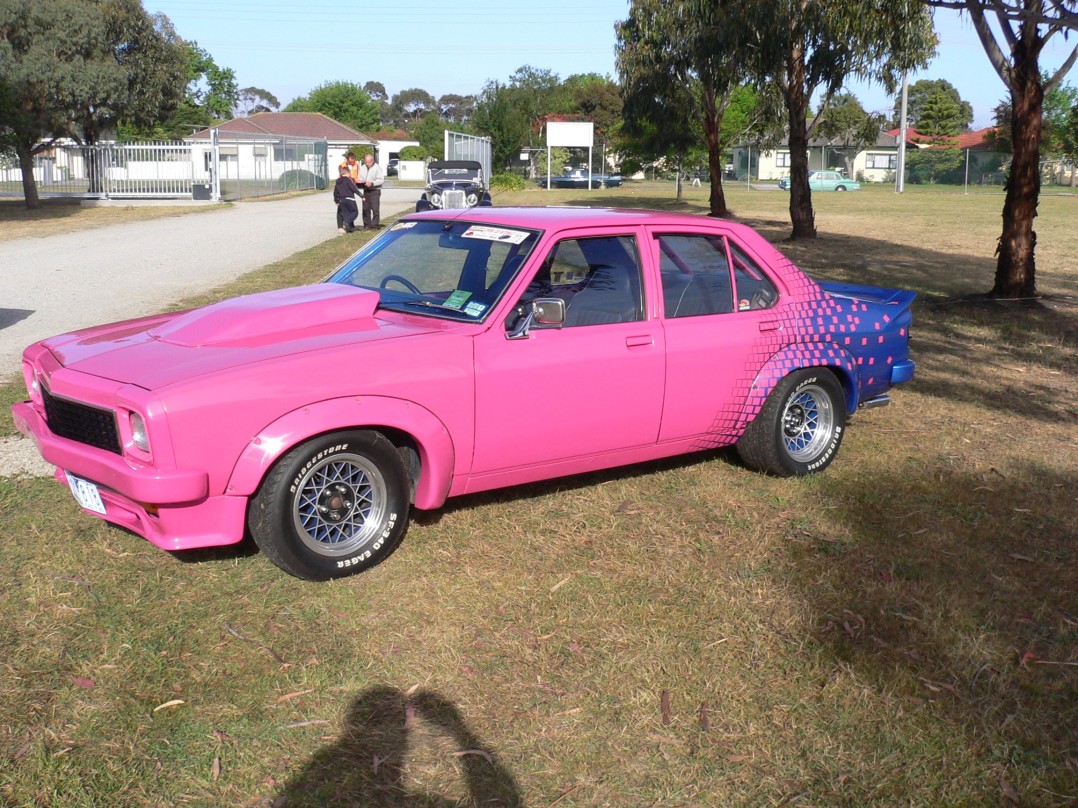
point(902, 630)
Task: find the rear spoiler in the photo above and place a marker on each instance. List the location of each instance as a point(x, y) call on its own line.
point(900, 298)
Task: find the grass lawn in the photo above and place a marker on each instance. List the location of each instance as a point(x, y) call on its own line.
point(900, 630)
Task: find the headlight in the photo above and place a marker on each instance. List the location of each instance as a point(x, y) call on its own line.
point(138, 433)
point(436, 200)
point(473, 200)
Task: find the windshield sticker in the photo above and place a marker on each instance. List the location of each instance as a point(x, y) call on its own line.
point(495, 234)
point(475, 309)
point(457, 299)
point(403, 225)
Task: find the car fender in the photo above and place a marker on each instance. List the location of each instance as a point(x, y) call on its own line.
point(433, 441)
point(794, 357)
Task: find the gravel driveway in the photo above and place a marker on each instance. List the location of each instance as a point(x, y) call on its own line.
point(62, 282)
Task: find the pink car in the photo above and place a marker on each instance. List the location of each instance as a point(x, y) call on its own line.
point(315, 418)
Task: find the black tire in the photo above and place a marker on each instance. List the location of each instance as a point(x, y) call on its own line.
point(800, 427)
point(840, 187)
point(332, 507)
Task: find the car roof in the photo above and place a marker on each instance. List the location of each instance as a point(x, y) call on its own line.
point(559, 217)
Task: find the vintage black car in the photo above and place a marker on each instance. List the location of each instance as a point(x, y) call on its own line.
point(453, 184)
point(578, 178)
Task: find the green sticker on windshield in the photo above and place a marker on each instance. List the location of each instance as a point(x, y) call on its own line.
point(457, 299)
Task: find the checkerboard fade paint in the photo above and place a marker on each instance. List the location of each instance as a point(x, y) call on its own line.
point(860, 339)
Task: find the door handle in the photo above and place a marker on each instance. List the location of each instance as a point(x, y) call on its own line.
point(770, 325)
point(639, 342)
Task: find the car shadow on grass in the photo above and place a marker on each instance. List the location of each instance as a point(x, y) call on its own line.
point(957, 592)
point(392, 741)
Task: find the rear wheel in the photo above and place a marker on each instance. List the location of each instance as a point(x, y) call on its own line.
point(333, 506)
point(840, 187)
point(800, 427)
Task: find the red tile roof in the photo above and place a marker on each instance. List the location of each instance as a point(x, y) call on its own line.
point(981, 139)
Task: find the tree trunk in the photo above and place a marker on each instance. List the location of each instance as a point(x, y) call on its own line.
point(713, 136)
point(29, 184)
point(1015, 268)
point(801, 214)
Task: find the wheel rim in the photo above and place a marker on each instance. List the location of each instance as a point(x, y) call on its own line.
point(339, 504)
point(807, 423)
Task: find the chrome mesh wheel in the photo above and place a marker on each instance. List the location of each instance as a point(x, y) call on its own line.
point(339, 504)
point(808, 422)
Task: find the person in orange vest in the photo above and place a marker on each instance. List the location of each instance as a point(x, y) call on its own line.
point(352, 165)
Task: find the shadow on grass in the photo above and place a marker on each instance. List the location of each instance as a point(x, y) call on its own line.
point(367, 764)
point(969, 602)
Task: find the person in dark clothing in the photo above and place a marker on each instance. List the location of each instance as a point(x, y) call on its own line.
point(344, 194)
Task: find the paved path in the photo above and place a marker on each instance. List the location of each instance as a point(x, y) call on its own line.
point(58, 283)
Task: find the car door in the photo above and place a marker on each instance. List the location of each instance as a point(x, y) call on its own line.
point(591, 386)
point(717, 303)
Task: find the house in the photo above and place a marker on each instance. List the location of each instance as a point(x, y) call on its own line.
point(266, 144)
point(389, 144)
point(874, 163)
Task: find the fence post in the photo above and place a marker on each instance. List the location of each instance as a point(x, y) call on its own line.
point(215, 165)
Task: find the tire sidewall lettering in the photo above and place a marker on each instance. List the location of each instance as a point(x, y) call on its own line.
point(310, 464)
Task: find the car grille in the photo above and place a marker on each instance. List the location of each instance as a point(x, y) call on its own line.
point(453, 199)
point(81, 423)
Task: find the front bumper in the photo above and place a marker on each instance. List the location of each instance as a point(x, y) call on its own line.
point(171, 508)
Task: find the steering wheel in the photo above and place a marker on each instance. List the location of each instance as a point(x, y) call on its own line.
point(407, 284)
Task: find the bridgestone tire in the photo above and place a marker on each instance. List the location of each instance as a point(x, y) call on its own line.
point(332, 507)
point(800, 427)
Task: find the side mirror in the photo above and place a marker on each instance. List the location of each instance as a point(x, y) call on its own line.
point(548, 311)
point(544, 312)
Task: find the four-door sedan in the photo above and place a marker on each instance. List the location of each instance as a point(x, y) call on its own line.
point(825, 181)
point(459, 351)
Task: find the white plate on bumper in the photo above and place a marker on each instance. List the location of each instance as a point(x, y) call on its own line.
point(86, 493)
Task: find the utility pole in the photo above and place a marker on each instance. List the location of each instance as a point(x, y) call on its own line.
point(900, 177)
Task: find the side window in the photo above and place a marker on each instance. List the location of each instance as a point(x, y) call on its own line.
point(598, 278)
point(695, 274)
point(754, 289)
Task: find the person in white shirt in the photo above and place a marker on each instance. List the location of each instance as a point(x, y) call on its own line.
point(370, 182)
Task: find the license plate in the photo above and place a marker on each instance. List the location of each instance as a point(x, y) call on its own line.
point(86, 493)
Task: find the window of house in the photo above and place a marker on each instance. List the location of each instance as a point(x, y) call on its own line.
point(782, 159)
point(887, 161)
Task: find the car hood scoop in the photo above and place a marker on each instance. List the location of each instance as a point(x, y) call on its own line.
point(253, 318)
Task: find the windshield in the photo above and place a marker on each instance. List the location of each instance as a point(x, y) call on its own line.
point(443, 268)
point(453, 174)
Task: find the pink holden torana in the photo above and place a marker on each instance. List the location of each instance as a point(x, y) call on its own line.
point(457, 352)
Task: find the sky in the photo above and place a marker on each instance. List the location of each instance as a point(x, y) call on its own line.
point(457, 46)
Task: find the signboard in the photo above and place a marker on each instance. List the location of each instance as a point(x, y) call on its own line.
point(571, 134)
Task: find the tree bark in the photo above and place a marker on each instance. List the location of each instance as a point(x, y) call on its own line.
point(29, 184)
point(801, 214)
point(712, 120)
point(1015, 267)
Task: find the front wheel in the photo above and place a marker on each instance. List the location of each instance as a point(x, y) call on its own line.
point(333, 506)
point(800, 427)
point(840, 187)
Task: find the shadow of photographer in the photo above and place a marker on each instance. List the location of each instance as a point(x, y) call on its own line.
point(375, 762)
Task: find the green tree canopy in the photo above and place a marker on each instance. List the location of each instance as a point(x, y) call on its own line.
point(848, 126)
point(410, 105)
point(77, 69)
point(811, 47)
point(430, 132)
point(919, 94)
point(499, 116)
point(342, 101)
point(253, 100)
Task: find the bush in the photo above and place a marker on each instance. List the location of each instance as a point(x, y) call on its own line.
point(507, 182)
point(299, 179)
point(413, 153)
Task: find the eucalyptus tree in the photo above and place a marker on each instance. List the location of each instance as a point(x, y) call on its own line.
point(1014, 41)
point(343, 101)
point(681, 64)
point(70, 68)
point(811, 47)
